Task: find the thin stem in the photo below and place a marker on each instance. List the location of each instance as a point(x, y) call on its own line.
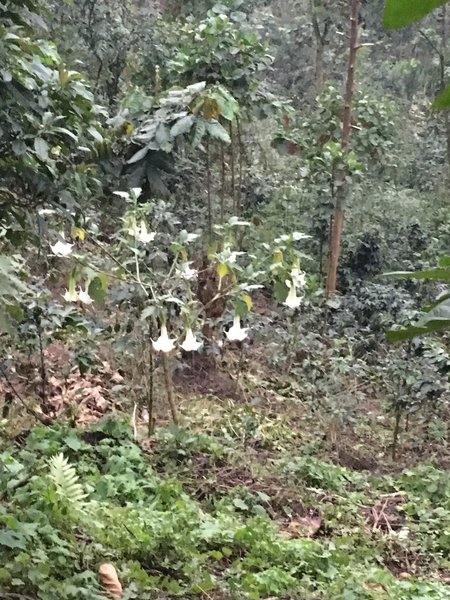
point(125, 269)
point(222, 185)
point(233, 175)
point(240, 365)
point(169, 389)
point(398, 416)
point(174, 265)
point(31, 411)
point(241, 167)
point(133, 421)
point(208, 173)
point(151, 383)
point(43, 369)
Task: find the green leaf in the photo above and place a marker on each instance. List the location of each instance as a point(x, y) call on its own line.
point(241, 308)
point(441, 310)
point(41, 147)
point(199, 132)
point(281, 291)
point(222, 270)
point(182, 126)
point(218, 132)
point(15, 311)
point(407, 333)
point(238, 503)
point(11, 539)
point(95, 134)
point(73, 442)
point(398, 13)
point(435, 274)
point(97, 289)
point(140, 154)
point(443, 100)
point(162, 137)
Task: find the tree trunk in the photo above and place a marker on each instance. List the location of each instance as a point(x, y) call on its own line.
point(320, 41)
point(443, 63)
point(320, 67)
point(341, 188)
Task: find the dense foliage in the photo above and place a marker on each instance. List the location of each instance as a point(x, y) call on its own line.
point(226, 223)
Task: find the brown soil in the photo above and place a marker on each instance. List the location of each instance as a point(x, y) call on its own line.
point(202, 376)
point(217, 478)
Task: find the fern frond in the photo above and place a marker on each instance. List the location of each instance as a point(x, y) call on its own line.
point(66, 480)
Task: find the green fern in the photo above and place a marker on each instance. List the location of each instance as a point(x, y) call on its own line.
point(66, 481)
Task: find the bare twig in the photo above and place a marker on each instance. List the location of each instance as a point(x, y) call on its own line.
point(133, 421)
point(44, 420)
point(169, 389)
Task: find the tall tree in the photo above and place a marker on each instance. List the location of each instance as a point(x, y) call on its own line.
point(321, 39)
point(341, 188)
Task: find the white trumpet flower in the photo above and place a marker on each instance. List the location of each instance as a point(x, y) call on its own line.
point(298, 277)
point(236, 333)
point(61, 248)
point(143, 235)
point(191, 344)
point(71, 295)
point(292, 300)
point(163, 343)
point(84, 298)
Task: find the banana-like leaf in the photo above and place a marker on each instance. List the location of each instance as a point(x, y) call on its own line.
point(399, 13)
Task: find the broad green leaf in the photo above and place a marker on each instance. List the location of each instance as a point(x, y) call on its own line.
point(222, 270)
point(15, 311)
point(218, 132)
point(435, 274)
point(11, 539)
point(443, 100)
point(182, 126)
point(162, 137)
point(398, 13)
point(408, 333)
point(281, 291)
point(241, 308)
point(97, 289)
point(41, 147)
point(199, 132)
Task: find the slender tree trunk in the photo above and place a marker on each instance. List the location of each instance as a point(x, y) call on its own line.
point(341, 189)
point(233, 171)
point(150, 382)
point(441, 50)
point(208, 192)
point(443, 64)
point(222, 184)
point(241, 168)
point(320, 37)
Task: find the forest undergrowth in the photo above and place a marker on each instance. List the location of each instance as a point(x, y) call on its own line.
point(250, 497)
